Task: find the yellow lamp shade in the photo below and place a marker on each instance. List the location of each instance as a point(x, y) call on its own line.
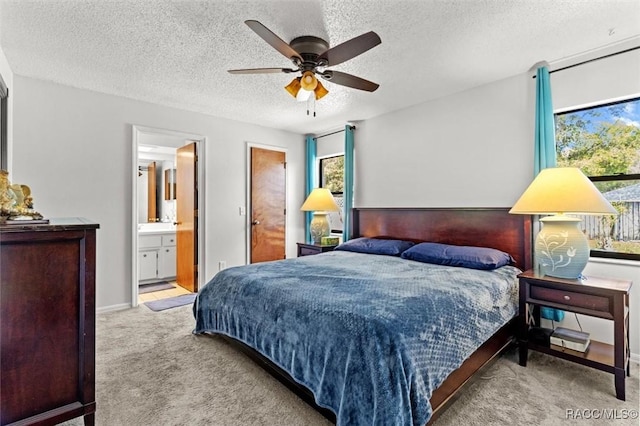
point(320, 199)
point(294, 87)
point(559, 190)
point(308, 81)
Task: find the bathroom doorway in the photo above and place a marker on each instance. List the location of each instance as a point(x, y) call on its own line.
point(159, 258)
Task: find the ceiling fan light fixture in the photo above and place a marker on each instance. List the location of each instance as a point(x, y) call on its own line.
point(308, 81)
point(311, 56)
point(294, 87)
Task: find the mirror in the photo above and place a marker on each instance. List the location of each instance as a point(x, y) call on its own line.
point(170, 184)
point(156, 184)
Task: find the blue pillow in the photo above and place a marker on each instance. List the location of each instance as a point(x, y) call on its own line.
point(465, 256)
point(375, 246)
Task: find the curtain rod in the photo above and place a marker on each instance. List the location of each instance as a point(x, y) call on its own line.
point(333, 133)
point(594, 59)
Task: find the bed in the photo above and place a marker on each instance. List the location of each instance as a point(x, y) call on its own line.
point(373, 339)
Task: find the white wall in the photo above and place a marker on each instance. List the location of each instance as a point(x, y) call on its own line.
point(475, 149)
point(610, 79)
point(469, 149)
point(7, 76)
point(73, 147)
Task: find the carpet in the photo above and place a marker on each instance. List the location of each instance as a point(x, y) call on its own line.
point(171, 302)
point(150, 370)
point(159, 286)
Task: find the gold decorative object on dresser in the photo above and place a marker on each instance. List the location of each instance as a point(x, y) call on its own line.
point(47, 321)
point(16, 202)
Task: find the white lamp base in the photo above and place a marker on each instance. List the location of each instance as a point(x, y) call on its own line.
point(561, 248)
point(319, 226)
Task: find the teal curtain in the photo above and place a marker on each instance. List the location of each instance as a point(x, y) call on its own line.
point(545, 147)
point(311, 181)
point(348, 181)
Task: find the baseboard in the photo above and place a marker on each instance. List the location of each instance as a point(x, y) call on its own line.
point(111, 308)
point(635, 358)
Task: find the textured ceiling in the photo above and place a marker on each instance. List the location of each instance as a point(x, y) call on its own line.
point(177, 53)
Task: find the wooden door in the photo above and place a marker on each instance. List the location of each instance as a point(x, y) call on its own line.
point(151, 193)
point(187, 217)
point(268, 205)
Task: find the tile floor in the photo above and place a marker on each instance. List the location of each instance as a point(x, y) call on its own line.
point(163, 294)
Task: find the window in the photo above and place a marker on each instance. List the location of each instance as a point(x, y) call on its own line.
point(604, 142)
point(332, 177)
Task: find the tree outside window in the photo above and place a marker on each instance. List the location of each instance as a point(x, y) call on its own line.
point(332, 178)
point(604, 142)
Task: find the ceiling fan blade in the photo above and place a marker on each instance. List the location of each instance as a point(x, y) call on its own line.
point(351, 48)
point(262, 71)
point(275, 41)
point(349, 80)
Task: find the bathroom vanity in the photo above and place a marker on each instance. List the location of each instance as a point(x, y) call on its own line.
point(156, 252)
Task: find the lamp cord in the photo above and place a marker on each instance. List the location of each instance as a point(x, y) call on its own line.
point(578, 321)
point(553, 324)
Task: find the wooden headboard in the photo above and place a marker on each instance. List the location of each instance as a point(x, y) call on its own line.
point(486, 227)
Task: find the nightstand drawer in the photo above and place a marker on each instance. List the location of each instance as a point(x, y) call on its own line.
point(305, 249)
point(569, 298)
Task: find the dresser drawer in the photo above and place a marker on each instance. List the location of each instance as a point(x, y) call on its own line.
point(169, 240)
point(569, 298)
point(147, 241)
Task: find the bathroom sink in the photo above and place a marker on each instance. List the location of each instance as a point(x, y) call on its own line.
point(148, 228)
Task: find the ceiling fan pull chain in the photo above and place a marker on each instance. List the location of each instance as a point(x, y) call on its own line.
point(311, 100)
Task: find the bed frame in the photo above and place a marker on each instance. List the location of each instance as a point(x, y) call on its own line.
point(487, 227)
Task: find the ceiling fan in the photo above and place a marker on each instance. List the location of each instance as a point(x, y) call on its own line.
point(311, 56)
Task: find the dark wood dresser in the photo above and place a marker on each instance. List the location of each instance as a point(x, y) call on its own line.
point(47, 322)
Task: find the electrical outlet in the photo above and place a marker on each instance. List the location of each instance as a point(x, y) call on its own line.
point(241, 211)
point(222, 265)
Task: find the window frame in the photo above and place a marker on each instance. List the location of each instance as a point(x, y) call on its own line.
point(606, 178)
point(321, 181)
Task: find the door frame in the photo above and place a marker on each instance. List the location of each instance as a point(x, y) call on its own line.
point(250, 145)
point(200, 141)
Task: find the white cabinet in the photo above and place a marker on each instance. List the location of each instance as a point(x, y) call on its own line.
point(167, 262)
point(147, 264)
point(156, 256)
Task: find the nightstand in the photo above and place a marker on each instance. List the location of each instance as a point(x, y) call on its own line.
point(593, 296)
point(305, 249)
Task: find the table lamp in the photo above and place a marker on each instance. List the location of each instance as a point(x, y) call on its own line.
point(561, 248)
point(320, 201)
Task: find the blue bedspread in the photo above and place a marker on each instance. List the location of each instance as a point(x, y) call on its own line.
point(371, 336)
